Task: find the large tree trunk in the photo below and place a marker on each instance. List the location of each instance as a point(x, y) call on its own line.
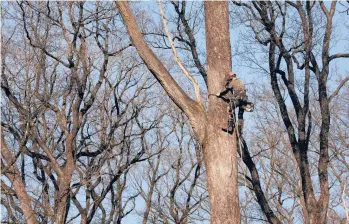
point(220, 148)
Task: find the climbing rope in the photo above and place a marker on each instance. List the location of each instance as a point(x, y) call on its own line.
point(240, 144)
point(232, 115)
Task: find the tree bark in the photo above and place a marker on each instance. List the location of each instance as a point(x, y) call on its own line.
point(219, 147)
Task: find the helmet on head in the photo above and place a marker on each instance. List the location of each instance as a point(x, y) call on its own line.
point(231, 74)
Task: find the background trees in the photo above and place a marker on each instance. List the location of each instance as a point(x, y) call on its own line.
point(296, 39)
point(89, 136)
point(72, 112)
point(218, 148)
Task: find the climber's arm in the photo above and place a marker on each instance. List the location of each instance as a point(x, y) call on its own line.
point(223, 93)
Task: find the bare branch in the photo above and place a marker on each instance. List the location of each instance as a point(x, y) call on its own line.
point(339, 55)
point(191, 108)
point(341, 84)
point(178, 61)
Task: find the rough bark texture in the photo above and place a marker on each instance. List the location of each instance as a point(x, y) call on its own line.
point(219, 147)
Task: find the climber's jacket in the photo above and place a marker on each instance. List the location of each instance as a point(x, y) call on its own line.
point(234, 89)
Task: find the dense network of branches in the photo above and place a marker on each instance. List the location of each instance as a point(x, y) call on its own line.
point(89, 132)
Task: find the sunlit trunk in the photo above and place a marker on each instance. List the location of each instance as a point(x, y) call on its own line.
point(220, 147)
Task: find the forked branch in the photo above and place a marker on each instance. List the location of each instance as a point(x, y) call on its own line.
point(193, 109)
point(178, 61)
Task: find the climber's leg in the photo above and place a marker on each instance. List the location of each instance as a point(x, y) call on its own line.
point(231, 117)
point(241, 120)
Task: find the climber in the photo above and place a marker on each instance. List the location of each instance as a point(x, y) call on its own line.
point(235, 93)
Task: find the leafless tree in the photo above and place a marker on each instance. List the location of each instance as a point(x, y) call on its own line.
point(219, 149)
point(81, 110)
point(174, 188)
point(295, 38)
point(73, 101)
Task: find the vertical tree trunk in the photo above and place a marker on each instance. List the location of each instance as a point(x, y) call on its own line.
point(220, 148)
point(62, 199)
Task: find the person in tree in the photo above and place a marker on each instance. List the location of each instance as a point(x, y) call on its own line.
point(235, 95)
